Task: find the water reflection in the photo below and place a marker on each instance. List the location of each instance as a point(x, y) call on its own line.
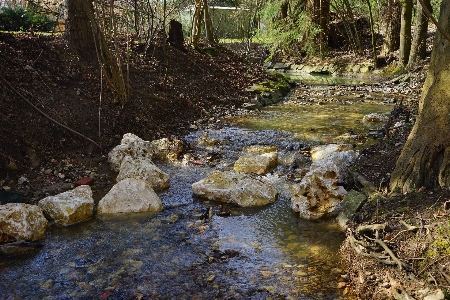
point(322, 123)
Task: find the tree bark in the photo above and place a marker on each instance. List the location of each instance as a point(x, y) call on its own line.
point(418, 46)
point(391, 20)
point(197, 23)
point(85, 36)
point(405, 31)
point(209, 31)
point(79, 31)
point(425, 159)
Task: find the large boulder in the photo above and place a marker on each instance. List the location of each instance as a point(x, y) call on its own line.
point(319, 193)
point(69, 207)
point(257, 164)
point(238, 188)
point(21, 222)
point(131, 145)
point(144, 169)
point(130, 195)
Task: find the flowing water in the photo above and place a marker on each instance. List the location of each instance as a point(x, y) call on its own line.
point(197, 249)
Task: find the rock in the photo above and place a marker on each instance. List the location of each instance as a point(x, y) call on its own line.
point(350, 205)
point(85, 181)
point(166, 149)
point(258, 164)
point(144, 169)
point(375, 118)
point(319, 194)
point(21, 222)
point(323, 151)
point(438, 295)
point(130, 195)
point(69, 207)
point(131, 145)
point(237, 188)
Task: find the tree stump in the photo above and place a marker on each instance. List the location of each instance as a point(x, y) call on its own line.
point(176, 38)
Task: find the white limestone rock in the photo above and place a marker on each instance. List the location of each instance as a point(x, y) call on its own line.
point(69, 207)
point(166, 149)
point(257, 164)
point(21, 222)
point(319, 193)
point(324, 151)
point(238, 188)
point(131, 145)
point(144, 169)
point(130, 195)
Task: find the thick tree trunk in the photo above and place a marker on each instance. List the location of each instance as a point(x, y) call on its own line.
point(418, 46)
point(197, 23)
point(425, 159)
point(79, 30)
point(405, 31)
point(391, 21)
point(85, 36)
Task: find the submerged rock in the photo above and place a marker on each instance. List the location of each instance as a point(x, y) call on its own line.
point(144, 169)
point(238, 188)
point(69, 207)
point(375, 118)
point(130, 195)
point(258, 164)
point(319, 193)
point(21, 222)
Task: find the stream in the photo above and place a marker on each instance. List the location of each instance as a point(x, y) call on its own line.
point(197, 249)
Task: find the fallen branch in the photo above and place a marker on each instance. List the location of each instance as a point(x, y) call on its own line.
point(369, 228)
point(47, 116)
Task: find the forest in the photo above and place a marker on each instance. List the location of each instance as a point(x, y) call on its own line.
point(182, 81)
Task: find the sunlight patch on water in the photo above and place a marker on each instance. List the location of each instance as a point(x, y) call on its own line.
point(322, 123)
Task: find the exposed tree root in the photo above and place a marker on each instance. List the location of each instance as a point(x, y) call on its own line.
point(372, 248)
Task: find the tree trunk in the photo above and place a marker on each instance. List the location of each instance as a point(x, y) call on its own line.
point(284, 9)
point(405, 31)
point(319, 11)
point(391, 20)
point(79, 30)
point(197, 23)
point(425, 159)
point(372, 31)
point(209, 31)
point(85, 36)
point(418, 46)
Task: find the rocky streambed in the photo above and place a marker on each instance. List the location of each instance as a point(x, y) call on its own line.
point(197, 248)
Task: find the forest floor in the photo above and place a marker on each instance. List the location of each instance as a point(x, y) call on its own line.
point(173, 92)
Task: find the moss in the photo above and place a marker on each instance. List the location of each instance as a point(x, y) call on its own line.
point(393, 69)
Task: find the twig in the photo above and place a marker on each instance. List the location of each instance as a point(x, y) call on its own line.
point(47, 116)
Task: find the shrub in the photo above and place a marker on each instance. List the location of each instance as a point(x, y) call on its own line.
point(20, 19)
